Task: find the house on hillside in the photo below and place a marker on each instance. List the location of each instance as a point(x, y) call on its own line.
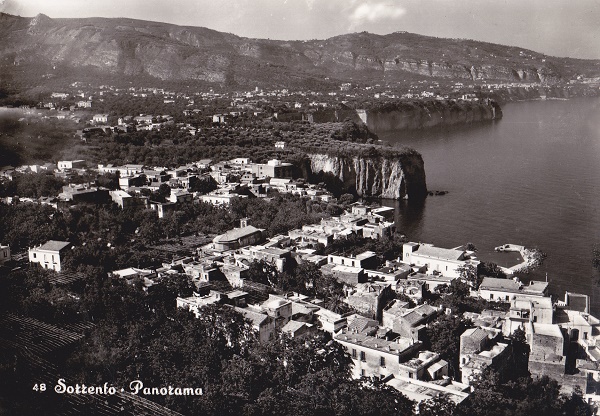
point(442, 261)
point(49, 254)
point(4, 254)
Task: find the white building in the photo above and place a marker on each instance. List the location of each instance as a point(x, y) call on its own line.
point(438, 260)
point(4, 254)
point(100, 118)
point(70, 164)
point(48, 255)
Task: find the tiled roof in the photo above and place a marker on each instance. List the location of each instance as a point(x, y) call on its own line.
point(54, 245)
point(236, 233)
point(439, 253)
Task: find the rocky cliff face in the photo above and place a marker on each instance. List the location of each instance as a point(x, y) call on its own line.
point(132, 48)
point(411, 116)
point(402, 176)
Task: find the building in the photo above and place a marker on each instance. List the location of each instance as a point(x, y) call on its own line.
point(348, 274)
point(273, 255)
point(409, 323)
point(548, 349)
point(82, 194)
point(201, 271)
point(378, 230)
point(297, 329)
point(410, 288)
point(430, 282)
point(330, 321)
point(391, 272)
point(306, 236)
point(427, 365)
point(375, 357)
point(279, 309)
point(366, 260)
point(504, 290)
point(49, 254)
point(163, 208)
point(418, 390)
point(480, 349)
point(262, 323)
point(4, 254)
point(273, 169)
point(70, 164)
point(100, 118)
point(179, 196)
point(220, 197)
point(525, 310)
point(444, 261)
point(234, 274)
point(370, 298)
point(125, 200)
point(238, 237)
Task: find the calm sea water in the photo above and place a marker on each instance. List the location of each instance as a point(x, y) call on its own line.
point(532, 178)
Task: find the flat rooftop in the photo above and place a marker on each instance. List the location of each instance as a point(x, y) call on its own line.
point(397, 346)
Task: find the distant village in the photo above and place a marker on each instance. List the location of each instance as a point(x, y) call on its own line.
point(186, 109)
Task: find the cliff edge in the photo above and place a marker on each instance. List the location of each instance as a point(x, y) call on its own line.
point(425, 114)
point(395, 175)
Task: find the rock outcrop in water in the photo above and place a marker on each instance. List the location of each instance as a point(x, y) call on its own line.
point(393, 176)
point(426, 114)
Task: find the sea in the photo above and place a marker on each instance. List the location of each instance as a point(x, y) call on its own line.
point(531, 178)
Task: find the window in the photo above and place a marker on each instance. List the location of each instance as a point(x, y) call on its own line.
point(410, 375)
point(382, 361)
point(35, 255)
point(363, 356)
point(353, 353)
point(491, 296)
point(506, 297)
point(362, 373)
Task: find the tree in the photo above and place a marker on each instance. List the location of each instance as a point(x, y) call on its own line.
point(596, 256)
point(164, 191)
point(204, 185)
point(346, 199)
point(490, 270)
point(468, 273)
point(521, 350)
point(443, 337)
point(440, 405)
point(471, 247)
point(263, 272)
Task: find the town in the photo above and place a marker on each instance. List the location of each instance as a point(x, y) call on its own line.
point(426, 321)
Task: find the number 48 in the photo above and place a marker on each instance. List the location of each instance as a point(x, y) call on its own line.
point(39, 387)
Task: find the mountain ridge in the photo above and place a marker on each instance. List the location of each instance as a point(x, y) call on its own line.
point(168, 52)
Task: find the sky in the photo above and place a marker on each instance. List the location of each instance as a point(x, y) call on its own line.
point(554, 27)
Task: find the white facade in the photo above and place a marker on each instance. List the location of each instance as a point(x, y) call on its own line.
point(48, 255)
point(438, 260)
point(4, 254)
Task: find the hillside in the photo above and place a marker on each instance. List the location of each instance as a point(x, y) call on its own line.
point(46, 48)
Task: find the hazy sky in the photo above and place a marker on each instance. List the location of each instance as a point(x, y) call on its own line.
point(555, 27)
